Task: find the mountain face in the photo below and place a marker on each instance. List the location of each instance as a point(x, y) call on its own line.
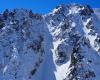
point(62, 45)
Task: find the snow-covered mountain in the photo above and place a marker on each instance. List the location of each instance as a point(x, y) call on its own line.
point(61, 45)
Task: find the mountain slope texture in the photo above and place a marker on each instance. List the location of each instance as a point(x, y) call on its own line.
point(61, 45)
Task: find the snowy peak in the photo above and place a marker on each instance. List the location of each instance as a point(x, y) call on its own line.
point(20, 14)
point(75, 32)
point(62, 45)
point(73, 8)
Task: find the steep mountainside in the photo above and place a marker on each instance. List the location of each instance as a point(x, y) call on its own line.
point(62, 45)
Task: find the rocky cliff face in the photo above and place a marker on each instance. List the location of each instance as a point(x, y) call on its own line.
point(62, 45)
